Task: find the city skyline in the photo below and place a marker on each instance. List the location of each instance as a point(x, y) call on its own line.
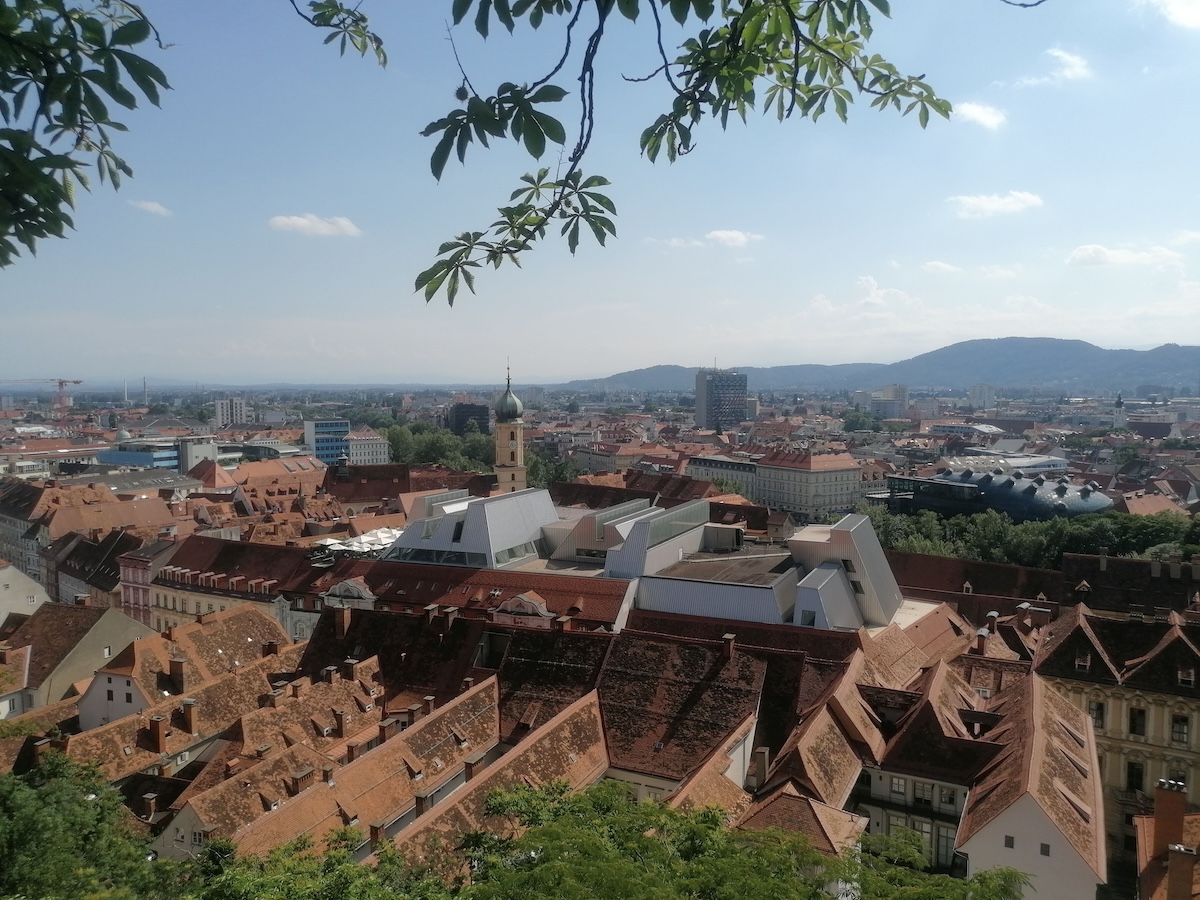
point(282, 205)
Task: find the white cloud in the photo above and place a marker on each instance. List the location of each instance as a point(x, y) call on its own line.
point(981, 114)
point(1186, 237)
point(1098, 255)
point(977, 206)
point(1070, 67)
point(309, 223)
point(1000, 271)
point(935, 265)
point(675, 243)
point(1179, 12)
point(152, 207)
point(733, 238)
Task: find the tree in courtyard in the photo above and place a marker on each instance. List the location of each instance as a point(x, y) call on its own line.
point(65, 833)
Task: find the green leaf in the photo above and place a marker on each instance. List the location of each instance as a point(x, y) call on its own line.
point(133, 32)
point(551, 127)
point(882, 6)
point(679, 9)
point(481, 17)
point(629, 8)
point(441, 153)
point(547, 93)
point(504, 14)
point(460, 9)
point(534, 137)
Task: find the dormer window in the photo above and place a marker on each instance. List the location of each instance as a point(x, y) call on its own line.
point(1187, 676)
point(1083, 662)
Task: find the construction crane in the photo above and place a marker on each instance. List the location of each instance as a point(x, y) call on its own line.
point(60, 398)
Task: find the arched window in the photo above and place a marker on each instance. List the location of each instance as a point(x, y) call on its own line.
point(512, 435)
point(512, 456)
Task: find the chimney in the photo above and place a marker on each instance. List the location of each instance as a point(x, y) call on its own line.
point(378, 832)
point(149, 805)
point(1175, 560)
point(1039, 616)
point(759, 765)
point(1103, 559)
point(178, 674)
point(232, 767)
point(261, 751)
point(727, 646)
point(423, 803)
point(430, 702)
point(329, 674)
point(414, 713)
point(40, 748)
point(473, 764)
point(1170, 803)
point(298, 688)
point(430, 612)
point(327, 773)
point(4, 651)
point(981, 637)
point(270, 648)
point(275, 698)
point(189, 715)
point(1156, 568)
point(450, 614)
point(1181, 867)
point(467, 684)
point(350, 669)
point(302, 779)
point(343, 721)
point(158, 734)
point(341, 622)
point(992, 618)
point(387, 729)
point(352, 753)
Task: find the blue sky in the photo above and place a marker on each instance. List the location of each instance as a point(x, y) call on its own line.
point(282, 205)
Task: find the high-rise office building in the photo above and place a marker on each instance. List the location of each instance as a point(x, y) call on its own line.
point(720, 398)
point(328, 439)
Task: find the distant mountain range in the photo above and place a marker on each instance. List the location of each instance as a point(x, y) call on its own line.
point(1013, 362)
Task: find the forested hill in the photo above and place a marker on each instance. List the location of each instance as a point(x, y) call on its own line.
point(1063, 365)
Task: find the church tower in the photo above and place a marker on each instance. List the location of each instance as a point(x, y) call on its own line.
point(1119, 420)
point(510, 442)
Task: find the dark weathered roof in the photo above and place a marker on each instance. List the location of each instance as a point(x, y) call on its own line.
point(53, 631)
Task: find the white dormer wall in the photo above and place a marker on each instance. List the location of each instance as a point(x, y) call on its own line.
point(110, 697)
point(825, 599)
point(852, 544)
point(489, 525)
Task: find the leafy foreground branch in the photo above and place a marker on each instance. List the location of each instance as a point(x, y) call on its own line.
point(65, 835)
point(794, 57)
point(62, 65)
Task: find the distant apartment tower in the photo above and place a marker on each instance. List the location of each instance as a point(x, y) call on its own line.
point(462, 413)
point(720, 398)
point(982, 396)
point(231, 411)
point(328, 439)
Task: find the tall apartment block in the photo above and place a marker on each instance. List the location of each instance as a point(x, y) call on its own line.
point(720, 398)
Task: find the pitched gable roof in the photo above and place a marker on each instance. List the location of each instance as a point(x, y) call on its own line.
point(1048, 749)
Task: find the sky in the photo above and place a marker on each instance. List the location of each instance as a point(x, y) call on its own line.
point(282, 206)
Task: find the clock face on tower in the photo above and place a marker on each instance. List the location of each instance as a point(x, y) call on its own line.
point(512, 445)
